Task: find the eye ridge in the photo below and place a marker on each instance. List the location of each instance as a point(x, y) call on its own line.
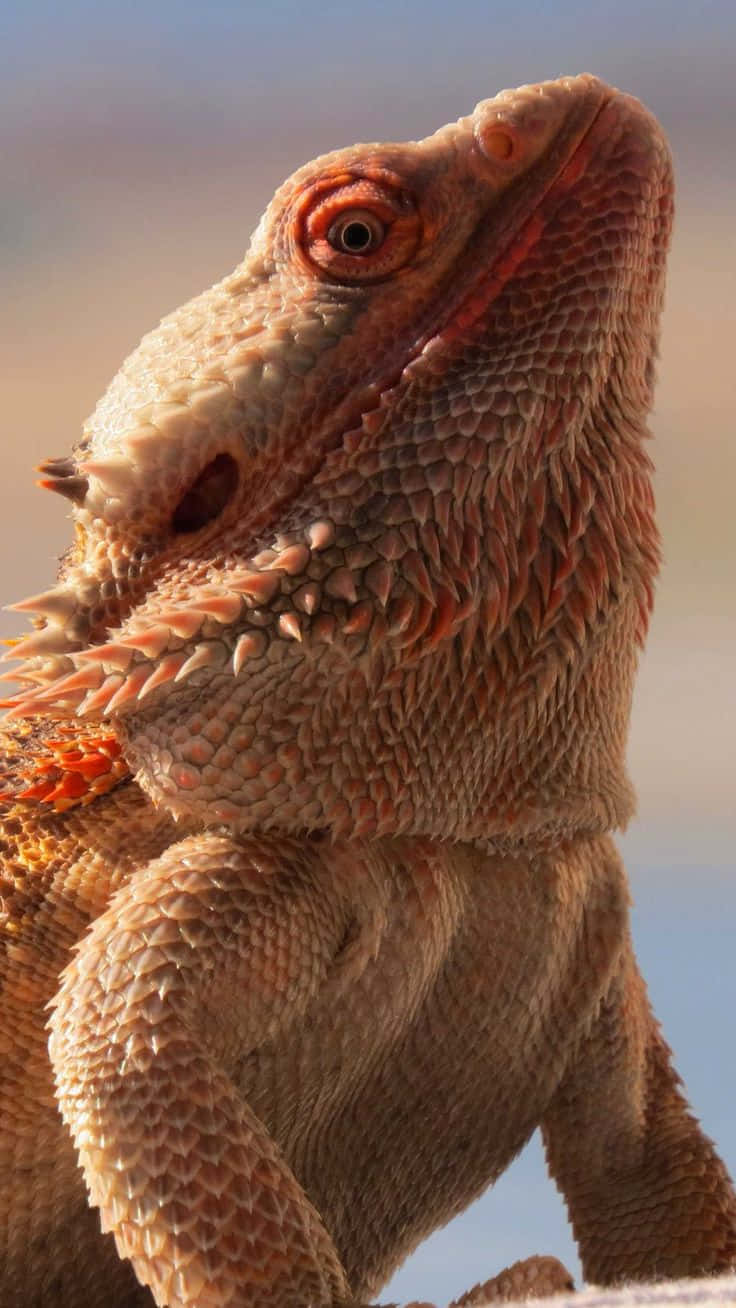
point(357, 232)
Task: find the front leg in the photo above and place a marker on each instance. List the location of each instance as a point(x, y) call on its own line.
point(647, 1194)
point(201, 956)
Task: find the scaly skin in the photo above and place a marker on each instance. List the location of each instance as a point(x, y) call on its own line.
point(365, 551)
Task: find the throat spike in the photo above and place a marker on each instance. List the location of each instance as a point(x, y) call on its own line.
point(57, 605)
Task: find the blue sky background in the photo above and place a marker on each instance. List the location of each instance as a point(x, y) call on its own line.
point(140, 142)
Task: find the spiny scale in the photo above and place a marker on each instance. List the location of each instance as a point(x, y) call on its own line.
point(97, 700)
point(206, 655)
point(252, 643)
point(64, 476)
point(115, 475)
point(56, 604)
point(107, 676)
point(49, 640)
point(113, 676)
point(167, 670)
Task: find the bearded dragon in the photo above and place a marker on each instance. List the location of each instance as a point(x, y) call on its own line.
point(310, 787)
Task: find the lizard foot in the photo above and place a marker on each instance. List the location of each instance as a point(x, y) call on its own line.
point(530, 1278)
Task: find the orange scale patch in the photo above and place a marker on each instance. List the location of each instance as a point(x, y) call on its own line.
point(68, 771)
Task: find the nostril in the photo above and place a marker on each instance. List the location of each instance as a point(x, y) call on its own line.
point(207, 495)
point(497, 144)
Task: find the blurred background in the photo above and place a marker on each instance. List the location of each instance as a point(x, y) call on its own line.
point(140, 142)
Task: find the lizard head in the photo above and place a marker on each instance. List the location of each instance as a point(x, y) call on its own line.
point(364, 533)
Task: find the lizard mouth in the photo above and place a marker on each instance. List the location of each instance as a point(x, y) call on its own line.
point(98, 670)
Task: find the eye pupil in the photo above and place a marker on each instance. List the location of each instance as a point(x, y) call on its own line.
point(357, 232)
point(356, 236)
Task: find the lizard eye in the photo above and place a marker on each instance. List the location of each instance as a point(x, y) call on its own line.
point(357, 229)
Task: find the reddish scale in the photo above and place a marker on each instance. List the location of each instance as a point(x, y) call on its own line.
point(76, 770)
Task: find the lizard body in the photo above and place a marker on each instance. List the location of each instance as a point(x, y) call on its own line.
point(365, 551)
